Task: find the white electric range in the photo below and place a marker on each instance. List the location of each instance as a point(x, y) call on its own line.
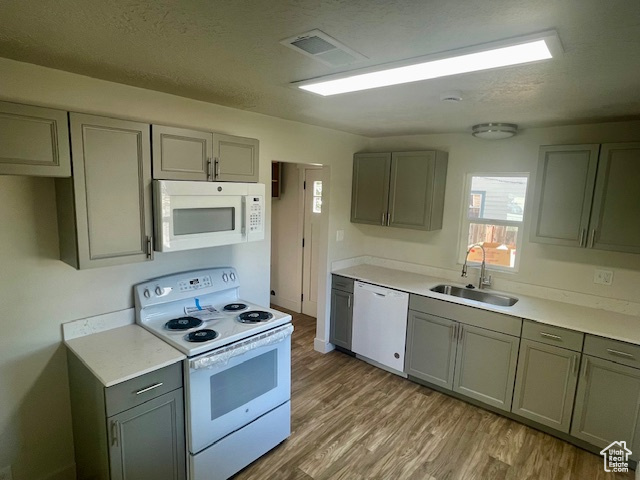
point(238, 372)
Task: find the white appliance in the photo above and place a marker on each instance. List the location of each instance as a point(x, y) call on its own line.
point(207, 214)
point(237, 377)
point(380, 325)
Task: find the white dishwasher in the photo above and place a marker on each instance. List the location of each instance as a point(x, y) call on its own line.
point(380, 324)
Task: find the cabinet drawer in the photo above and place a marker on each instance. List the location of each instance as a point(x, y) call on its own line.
point(619, 352)
point(560, 337)
point(138, 390)
point(342, 283)
point(467, 314)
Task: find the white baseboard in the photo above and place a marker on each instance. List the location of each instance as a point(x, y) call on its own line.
point(322, 346)
point(294, 306)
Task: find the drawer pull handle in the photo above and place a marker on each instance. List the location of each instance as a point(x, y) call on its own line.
point(143, 390)
point(619, 353)
point(549, 335)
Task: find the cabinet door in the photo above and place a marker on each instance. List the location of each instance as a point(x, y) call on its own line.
point(546, 384)
point(416, 192)
point(431, 348)
point(181, 154)
point(608, 404)
point(111, 191)
point(341, 318)
point(148, 441)
point(34, 141)
point(616, 203)
point(236, 158)
point(486, 366)
point(370, 190)
point(564, 190)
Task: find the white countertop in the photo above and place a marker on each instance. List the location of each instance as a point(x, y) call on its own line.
point(122, 353)
point(566, 315)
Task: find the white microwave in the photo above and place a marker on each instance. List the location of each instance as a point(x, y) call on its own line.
point(192, 215)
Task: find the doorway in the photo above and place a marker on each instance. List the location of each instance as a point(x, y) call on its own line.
point(298, 231)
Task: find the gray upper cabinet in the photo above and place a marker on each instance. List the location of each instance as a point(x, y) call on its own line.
point(431, 348)
point(546, 384)
point(563, 194)
point(608, 404)
point(370, 191)
point(235, 158)
point(416, 193)
point(181, 154)
point(586, 196)
point(104, 211)
point(616, 202)
point(486, 366)
point(34, 141)
point(404, 189)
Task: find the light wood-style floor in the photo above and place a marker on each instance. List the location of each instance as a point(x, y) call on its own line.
point(353, 421)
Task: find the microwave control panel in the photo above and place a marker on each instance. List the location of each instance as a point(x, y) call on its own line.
point(256, 214)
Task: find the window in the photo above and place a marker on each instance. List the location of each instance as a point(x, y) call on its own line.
point(317, 196)
point(493, 218)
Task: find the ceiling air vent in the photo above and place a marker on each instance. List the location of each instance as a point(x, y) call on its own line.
point(322, 47)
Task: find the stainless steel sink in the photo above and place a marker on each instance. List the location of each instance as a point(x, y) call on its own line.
point(477, 295)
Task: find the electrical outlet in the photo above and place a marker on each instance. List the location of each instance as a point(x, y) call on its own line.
point(5, 473)
point(339, 235)
point(603, 277)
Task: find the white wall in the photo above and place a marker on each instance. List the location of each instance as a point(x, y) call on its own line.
point(38, 292)
point(563, 268)
point(286, 247)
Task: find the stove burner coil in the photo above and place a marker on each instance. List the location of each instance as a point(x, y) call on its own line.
point(199, 336)
point(234, 307)
point(254, 316)
point(183, 323)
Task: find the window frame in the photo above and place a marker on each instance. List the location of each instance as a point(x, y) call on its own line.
point(465, 221)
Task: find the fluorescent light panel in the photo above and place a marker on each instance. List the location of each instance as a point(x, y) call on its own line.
point(496, 57)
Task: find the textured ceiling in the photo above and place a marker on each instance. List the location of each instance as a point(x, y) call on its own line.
point(228, 52)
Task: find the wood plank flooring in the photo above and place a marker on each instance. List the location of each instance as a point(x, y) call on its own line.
point(353, 421)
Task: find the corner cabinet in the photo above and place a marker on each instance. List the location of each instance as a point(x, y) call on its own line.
point(341, 321)
point(34, 141)
point(132, 430)
point(184, 154)
point(104, 211)
point(403, 190)
point(586, 195)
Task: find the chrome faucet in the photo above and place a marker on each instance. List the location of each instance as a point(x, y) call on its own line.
point(484, 280)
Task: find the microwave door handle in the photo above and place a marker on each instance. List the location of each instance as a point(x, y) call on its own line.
point(244, 215)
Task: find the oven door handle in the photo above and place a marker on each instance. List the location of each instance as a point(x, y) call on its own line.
point(221, 357)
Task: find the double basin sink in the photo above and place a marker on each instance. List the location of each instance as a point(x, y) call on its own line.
point(477, 295)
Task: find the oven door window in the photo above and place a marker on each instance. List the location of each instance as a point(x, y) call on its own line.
point(247, 381)
point(189, 221)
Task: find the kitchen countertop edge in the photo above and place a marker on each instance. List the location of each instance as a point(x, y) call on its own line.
point(617, 326)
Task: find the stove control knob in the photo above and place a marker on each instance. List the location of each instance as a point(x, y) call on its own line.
point(147, 293)
point(225, 277)
point(232, 276)
point(158, 290)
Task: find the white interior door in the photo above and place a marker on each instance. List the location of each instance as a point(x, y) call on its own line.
point(312, 217)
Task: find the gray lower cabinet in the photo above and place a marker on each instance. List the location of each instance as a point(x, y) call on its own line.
point(147, 441)
point(431, 348)
point(607, 405)
point(104, 211)
point(236, 159)
point(181, 154)
point(341, 320)
point(34, 141)
point(486, 366)
point(131, 430)
point(585, 196)
point(546, 384)
point(403, 189)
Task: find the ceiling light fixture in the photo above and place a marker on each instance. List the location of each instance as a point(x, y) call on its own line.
point(504, 53)
point(494, 131)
